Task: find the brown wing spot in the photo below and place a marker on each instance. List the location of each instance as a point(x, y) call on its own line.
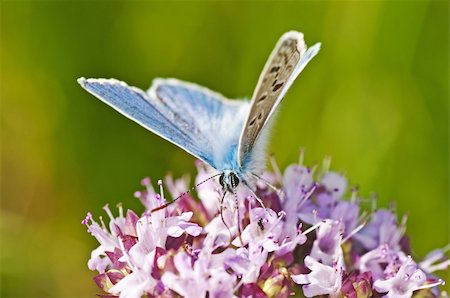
point(252, 122)
point(277, 86)
point(275, 69)
point(260, 115)
point(262, 98)
point(274, 82)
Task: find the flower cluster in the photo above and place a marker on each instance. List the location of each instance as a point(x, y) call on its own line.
point(300, 236)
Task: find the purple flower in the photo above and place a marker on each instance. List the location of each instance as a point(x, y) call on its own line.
point(335, 184)
point(429, 263)
point(140, 280)
point(382, 262)
point(230, 246)
point(311, 201)
point(408, 279)
point(382, 229)
point(298, 184)
point(323, 279)
point(327, 246)
point(264, 230)
point(198, 276)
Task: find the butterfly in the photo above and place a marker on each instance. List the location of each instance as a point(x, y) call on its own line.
point(229, 135)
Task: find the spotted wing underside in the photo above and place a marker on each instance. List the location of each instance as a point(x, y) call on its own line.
point(285, 63)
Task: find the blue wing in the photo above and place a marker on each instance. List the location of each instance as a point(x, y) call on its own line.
point(189, 116)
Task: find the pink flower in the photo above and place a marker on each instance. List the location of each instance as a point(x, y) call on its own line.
point(198, 276)
point(323, 279)
point(140, 280)
point(429, 263)
point(407, 280)
point(335, 184)
point(327, 246)
point(227, 245)
point(382, 229)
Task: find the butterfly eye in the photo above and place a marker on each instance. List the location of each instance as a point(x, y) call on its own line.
point(221, 180)
point(234, 180)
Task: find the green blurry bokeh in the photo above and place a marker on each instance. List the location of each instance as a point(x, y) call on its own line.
point(375, 99)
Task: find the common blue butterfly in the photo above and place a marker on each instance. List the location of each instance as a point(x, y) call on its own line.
point(229, 135)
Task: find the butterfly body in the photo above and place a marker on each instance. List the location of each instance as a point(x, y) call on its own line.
point(229, 135)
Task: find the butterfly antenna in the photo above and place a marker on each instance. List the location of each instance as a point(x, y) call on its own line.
point(184, 193)
point(254, 194)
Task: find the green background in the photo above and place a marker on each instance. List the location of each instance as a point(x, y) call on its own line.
point(375, 99)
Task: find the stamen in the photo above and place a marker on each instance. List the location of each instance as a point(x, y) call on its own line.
point(146, 181)
point(326, 164)
point(373, 198)
point(404, 220)
point(301, 156)
point(161, 190)
point(427, 286)
point(440, 266)
point(312, 228)
point(86, 220)
point(102, 222)
point(445, 248)
point(276, 169)
point(355, 230)
point(437, 255)
point(307, 195)
point(108, 211)
point(312, 170)
point(120, 207)
point(364, 217)
point(281, 214)
point(354, 196)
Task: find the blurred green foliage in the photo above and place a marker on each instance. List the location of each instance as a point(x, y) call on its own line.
point(375, 99)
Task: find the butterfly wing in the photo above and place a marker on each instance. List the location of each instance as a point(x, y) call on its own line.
point(285, 63)
point(174, 110)
point(218, 119)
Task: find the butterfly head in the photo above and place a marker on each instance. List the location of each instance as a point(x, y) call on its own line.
point(229, 180)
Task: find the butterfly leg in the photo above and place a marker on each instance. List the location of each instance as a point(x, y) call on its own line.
point(270, 185)
point(223, 219)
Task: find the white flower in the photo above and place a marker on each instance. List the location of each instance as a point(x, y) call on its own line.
point(327, 246)
point(407, 280)
point(198, 277)
point(322, 280)
point(140, 280)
